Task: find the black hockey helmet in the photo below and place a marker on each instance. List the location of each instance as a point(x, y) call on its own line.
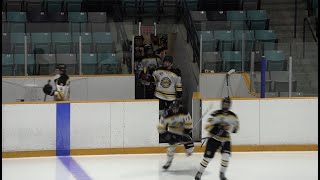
point(168, 59)
point(163, 39)
point(61, 67)
point(226, 103)
point(154, 39)
point(148, 50)
point(174, 107)
point(138, 41)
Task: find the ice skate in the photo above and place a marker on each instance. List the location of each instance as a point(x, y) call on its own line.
point(167, 165)
point(188, 154)
point(222, 177)
point(198, 176)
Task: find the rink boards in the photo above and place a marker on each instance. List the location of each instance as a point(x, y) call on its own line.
point(117, 127)
point(273, 121)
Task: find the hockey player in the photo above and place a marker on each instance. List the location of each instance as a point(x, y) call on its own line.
point(162, 49)
point(150, 60)
point(149, 64)
point(175, 128)
point(61, 90)
point(220, 124)
point(154, 42)
point(138, 55)
point(138, 48)
point(168, 84)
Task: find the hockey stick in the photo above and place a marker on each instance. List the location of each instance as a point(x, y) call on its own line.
point(186, 135)
point(227, 76)
point(45, 96)
point(186, 142)
point(205, 113)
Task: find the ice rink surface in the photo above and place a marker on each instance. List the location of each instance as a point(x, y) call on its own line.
point(242, 166)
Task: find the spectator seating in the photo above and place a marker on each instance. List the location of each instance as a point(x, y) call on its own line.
point(19, 64)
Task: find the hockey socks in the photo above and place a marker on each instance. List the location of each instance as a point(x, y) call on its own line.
point(224, 164)
point(170, 155)
point(204, 163)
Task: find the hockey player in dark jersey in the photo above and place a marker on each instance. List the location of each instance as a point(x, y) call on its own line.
point(138, 48)
point(154, 42)
point(149, 64)
point(61, 89)
point(220, 124)
point(168, 84)
point(162, 49)
point(176, 127)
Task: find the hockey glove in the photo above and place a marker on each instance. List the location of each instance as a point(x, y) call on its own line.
point(166, 136)
point(187, 131)
point(47, 89)
point(218, 128)
point(235, 130)
point(187, 137)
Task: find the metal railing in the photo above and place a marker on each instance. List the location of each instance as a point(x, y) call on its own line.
point(295, 18)
point(306, 22)
point(191, 32)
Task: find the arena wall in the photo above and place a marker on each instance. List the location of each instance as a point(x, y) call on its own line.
point(129, 126)
point(272, 120)
point(214, 85)
point(82, 87)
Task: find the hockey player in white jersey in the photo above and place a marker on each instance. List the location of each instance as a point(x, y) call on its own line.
point(150, 60)
point(176, 127)
point(220, 124)
point(168, 84)
point(61, 89)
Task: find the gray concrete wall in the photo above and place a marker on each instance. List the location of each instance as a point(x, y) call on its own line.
point(183, 58)
point(196, 115)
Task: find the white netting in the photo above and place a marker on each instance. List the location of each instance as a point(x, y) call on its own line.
point(23, 91)
point(33, 92)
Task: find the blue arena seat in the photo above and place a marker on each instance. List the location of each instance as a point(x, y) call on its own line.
point(62, 42)
point(86, 40)
point(258, 19)
point(89, 63)
point(16, 17)
point(103, 42)
point(7, 64)
point(20, 64)
point(108, 63)
point(78, 17)
point(267, 38)
point(70, 60)
point(41, 42)
point(275, 60)
point(211, 61)
point(208, 42)
point(225, 40)
point(17, 42)
point(231, 60)
point(45, 64)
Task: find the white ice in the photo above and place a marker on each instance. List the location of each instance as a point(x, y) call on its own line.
point(242, 166)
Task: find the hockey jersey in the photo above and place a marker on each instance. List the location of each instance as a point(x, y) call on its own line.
point(148, 66)
point(150, 63)
point(168, 84)
point(62, 89)
point(177, 123)
point(219, 120)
